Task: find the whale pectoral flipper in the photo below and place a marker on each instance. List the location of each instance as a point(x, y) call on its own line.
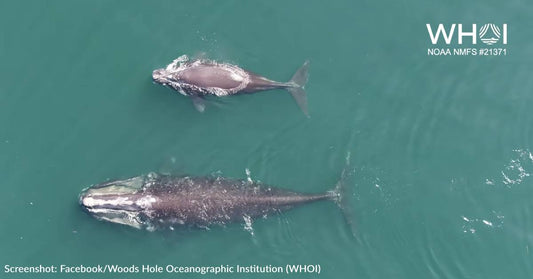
point(299, 79)
point(198, 102)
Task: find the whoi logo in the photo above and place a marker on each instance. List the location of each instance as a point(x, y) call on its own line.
point(496, 34)
point(493, 37)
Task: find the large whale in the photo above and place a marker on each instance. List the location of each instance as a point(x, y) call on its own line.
point(200, 77)
point(156, 201)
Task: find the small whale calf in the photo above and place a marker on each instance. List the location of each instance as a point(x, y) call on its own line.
point(197, 78)
point(156, 201)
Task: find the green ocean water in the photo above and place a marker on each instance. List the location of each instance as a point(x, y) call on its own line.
point(441, 147)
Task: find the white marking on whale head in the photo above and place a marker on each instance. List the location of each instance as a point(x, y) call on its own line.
point(121, 201)
point(118, 201)
point(146, 201)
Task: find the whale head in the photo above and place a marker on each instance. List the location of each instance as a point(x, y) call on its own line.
point(118, 201)
point(169, 74)
point(160, 76)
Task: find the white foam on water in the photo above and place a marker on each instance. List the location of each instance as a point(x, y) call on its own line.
point(472, 225)
point(248, 224)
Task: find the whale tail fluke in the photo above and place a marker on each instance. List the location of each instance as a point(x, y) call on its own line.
point(298, 81)
point(338, 195)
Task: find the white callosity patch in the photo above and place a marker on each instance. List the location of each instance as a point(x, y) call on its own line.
point(92, 202)
point(108, 211)
point(145, 202)
point(123, 201)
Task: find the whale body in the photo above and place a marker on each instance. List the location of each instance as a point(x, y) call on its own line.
point(198, 78)
point(158, 201)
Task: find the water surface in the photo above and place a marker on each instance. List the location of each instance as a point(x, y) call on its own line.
point(441, 147)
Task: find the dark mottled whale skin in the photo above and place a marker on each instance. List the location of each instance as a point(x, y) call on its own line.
point(201, 77)
point(162, 201)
